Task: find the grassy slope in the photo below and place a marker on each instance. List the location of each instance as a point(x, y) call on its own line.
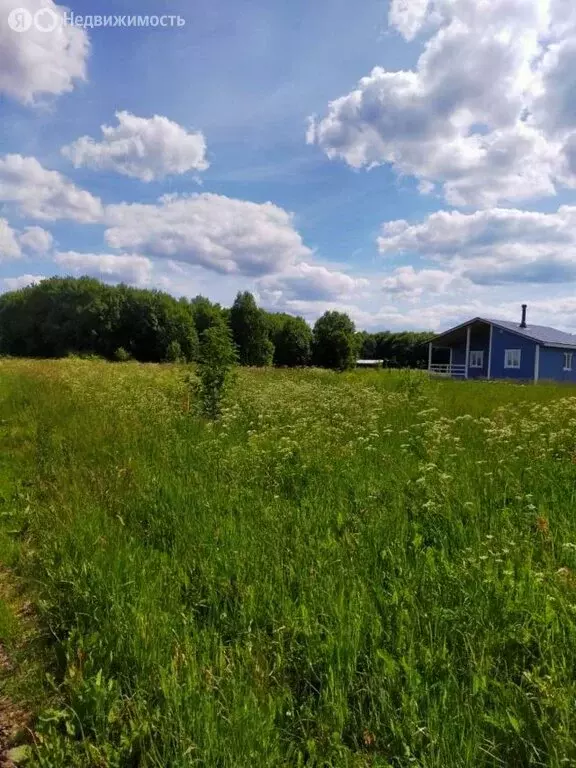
point(354, 570)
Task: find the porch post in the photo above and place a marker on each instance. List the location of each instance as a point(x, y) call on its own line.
point(490, 354)
point(429, 357)
point(467, 350)
point(537, 363)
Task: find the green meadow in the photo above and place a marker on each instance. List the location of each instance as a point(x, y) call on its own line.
point(359, 569)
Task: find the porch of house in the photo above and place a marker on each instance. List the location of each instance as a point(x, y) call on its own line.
point(462, 353)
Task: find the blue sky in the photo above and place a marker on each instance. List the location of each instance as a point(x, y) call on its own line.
point(410, 163)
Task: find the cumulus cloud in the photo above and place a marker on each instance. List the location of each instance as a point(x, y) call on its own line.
point(44, 194)
point(144, 148)
point(410, 283)
point(408, 16)
point(213, 231)
point(308, 282)
point(127, 268)
point(493, 246)
point(481, 111)
point(36, 240)
point(9, 245)
point(37, 62)
point(32, 240)
point(14, 283)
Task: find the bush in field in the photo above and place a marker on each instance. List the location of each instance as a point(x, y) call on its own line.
point(174, 353)
point(217, 357)
point(250, 331)
point(334, 343)
point(121, 355)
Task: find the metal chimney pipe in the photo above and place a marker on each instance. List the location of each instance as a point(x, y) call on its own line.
point(523, 323)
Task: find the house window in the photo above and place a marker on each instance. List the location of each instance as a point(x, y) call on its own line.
point(476, 358)
point(512, 358)
point(567, 361)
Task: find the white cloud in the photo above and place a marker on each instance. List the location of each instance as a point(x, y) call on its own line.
point(36, 239)
point(144, 148)
point(220, 233)
point(408, 16)
point(308, 282)
point(554, 105)
point(44, 194)
point(9, 245)
point(14, 283)
point(494, 246)
point(410, 283)
point(133, 269)
point(37, 62)
point(481, 111)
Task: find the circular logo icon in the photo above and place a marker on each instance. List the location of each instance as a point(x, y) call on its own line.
point(46, 20)
point(20, 20)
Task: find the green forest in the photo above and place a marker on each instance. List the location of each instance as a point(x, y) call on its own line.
point(66, 316)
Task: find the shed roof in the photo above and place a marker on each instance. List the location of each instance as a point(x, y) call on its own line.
point(543, 334)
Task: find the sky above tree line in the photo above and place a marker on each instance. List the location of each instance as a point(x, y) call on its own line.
point(412, 163)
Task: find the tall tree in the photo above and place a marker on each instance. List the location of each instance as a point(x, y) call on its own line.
point(334, 344)
point(250, 331)
point(292, 341)
point(205, 314)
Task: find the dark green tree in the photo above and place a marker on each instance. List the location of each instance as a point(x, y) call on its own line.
point(403, 349)
point(205, 314)
point(292, 341)
point(149, 321)
point(250, 331)
point(61, 316)
point(334, 341)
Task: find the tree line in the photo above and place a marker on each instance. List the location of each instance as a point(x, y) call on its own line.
point(83, 316)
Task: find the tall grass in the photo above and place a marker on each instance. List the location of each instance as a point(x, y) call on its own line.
point(364, 569)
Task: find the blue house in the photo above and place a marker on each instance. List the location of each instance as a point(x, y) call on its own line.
point(499, 349)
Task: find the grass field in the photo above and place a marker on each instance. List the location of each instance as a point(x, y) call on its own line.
point(365, 569)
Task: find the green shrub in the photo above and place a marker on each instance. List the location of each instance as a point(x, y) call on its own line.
point(121, 355)
point(217, 357)
point(174, 353)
